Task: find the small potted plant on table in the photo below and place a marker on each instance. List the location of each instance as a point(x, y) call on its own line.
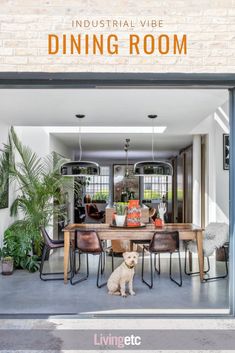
point(120, 216)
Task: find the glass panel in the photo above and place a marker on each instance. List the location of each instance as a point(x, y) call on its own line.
point(98, 187)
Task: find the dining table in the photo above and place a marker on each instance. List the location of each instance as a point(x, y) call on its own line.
point(187, 232)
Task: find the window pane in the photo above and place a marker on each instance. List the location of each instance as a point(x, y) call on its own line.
point(157, 187)
point(98, 187)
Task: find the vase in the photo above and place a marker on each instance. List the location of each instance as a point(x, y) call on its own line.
point(133, 214)
point(120, 220)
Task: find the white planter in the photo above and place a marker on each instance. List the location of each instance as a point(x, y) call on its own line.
point(120, 220)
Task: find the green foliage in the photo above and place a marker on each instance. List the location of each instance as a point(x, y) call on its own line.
point(40, 193)
point(8, 258)
point(101, 195)
point(17, 244)
point(121, 208)
point(151, 195)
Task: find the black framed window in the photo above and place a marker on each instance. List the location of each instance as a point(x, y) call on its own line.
point(157, 187)
point(99, 186)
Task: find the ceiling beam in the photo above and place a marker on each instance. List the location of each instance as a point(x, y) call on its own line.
point(115, 80)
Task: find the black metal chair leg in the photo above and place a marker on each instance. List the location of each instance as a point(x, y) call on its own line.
point(150, 285)
point(99, 273)
point(77, 269)
point(226, 269)
point(158, 270)
point(44, 252)
point(180, 271)
point(74, 270)
point(103, 262)
point(194, 273)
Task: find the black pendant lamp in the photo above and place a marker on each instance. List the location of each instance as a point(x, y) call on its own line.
point(80, 168)
point(152, 167)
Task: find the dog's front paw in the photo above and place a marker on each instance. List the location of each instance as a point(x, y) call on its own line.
point(124, 295)
point(132, 292)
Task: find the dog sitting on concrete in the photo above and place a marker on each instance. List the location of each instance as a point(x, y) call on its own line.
point(123, 274)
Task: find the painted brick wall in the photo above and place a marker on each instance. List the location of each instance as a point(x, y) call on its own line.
point(209, 24)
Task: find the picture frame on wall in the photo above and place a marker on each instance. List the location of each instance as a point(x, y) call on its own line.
point(226, 151)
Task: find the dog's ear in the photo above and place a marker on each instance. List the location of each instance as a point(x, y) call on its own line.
point(125, 255)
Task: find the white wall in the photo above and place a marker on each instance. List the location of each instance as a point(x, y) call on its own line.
point(5, 219)
point(57, 146)
point(222, 176)
point(34, 137)
point(217, 179)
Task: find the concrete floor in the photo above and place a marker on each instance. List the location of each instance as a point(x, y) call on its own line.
point(25, 293)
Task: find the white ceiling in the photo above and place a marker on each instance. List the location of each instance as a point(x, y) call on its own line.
point(178, 109)
point(110, 146)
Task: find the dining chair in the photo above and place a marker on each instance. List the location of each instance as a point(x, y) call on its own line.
point(215, 237)
point(50, 244)
point(88, 242)
point(92, 214)
point(162, 242)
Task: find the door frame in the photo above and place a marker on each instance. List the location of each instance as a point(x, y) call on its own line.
point(87, 80)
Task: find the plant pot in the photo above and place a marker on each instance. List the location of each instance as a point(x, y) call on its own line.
point(120, 220)
point(7, 267)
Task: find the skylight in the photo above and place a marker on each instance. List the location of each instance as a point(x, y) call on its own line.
point(106, 129)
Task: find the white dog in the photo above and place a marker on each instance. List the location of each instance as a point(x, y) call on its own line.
point(123, 274)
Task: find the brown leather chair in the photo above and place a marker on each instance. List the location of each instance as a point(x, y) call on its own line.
point(162, 242)
point(49, 244)
point(88, 242)
point(93, 215)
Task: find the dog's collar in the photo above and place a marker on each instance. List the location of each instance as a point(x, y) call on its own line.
point(128, 266)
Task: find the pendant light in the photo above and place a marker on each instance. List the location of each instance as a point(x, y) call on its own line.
point(152, 167)
point(80, 168)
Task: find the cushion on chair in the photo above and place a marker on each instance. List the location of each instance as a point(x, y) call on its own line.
point(219, 230)
point(215, 236)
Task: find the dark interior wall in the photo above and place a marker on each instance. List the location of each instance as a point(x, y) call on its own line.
point(183, 183)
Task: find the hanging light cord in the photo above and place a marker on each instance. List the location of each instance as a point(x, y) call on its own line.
point(153, 141)
point(127, 162)
point(80, 143)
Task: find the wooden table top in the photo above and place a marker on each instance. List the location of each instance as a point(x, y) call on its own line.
point(104, 227)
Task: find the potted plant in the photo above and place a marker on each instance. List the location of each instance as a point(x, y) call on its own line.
point(120, 216)
point(7, 265)
point(40, 187)
point(19, 246)
point(7, 262)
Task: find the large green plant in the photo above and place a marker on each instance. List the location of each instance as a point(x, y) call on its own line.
point(40, 186)
point(17, 244)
